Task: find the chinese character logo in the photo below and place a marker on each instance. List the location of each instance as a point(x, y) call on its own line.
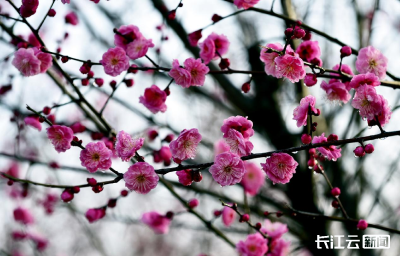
point(376, 241)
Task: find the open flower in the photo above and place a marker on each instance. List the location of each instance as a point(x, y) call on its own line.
point(26, 62)
point(60, 136)
point(280, 167)
point(253, 179)
point(115, 61)
point(126, 146)
point(211, 45)
point(308, 50)
point(291, 67)
point(180, 75)
point(184, 147)
point(237, 143)
point(274, 229)
point(141, 178)
point(254, 245)
point(240, 124)
point(228, 169)
point(371, 60)
point(197, 70)
point(300, 113)
point(96, 156)
point(330, 152)
point(367, 101)
point(336, 91)
point(154, 99)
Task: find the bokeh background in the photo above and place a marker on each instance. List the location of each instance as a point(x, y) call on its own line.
point(369, 185)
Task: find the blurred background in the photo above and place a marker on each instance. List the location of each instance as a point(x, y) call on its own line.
point(369, 185)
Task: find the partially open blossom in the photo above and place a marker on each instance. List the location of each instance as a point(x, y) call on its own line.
point(197, 70)
point(141, 178)
point(157, 222)
point(228, 216)
point(240, 124)
point(253, 179)
point(115, 61)
point(46, 61)
point(71, 18)
point(65, 1)
point(300, 113)
point(33, 122)
point(367, 101)
point(291, 67)
point(385, 113)
point(185, 177)
point(211, 45)
point(308, 50)
point(345, 69)
point(274, 229)
point(95, 214)
point(228, 169)
point(245, 4)
point(254, 245)
point(23, 216)
point(237, 143)
point(330, 152)
point(280, 167)
point(126, 146)
point(194, 37)
point(371, 60)
point(269, 59)
point(96, 156)
point(364, 79)
point(67, 195)
point(154, 99)
point(310, 79)
point(220, 146)
point(78, 127)
point(279, 247)
point(60, 136)
point(184, 147)
point(362, 224)
point(193, 203)
point(180, 75)
point(26, 62)
point(126, 35)
point(138, 48)
point(336, 91)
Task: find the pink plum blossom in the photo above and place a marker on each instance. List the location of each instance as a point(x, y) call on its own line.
point(211, 45)
point(26, 62)
point(95, 214)
point(138, 48)
point(220, 146)
point(65, 1)
point(46, 60)
point(115, 61)
point(23, 216)
point(126, 146)
point(336, 91)
point(184, 147)
point(237, 143)
point(185, 177)
point(61, 137)
point(194, 37)
point(385, 114)
point(245, 4)
point(279, 247)
point(71, 18)
point(228, 216)
point(308, 50)
point(300, 113)
point(254, 245)
point(364, 79)
point(367, 101)
point(330, 152)
point(33, 122)
point(371, 60)
point(154, 99)
point(280, 167)
point(197, 71)
point(228, 169)
point(141, 178)
point(28, 8)
point(269, 59)
point(96, 156)
point(345, 69)
point(157, 222)
point(126, 35)
point(253, 179)
point(291, 67)
point(180, 75)
point(240, 124)
point(274, 229)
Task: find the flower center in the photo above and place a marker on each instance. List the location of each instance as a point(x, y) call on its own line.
point(96, 157)
point(250, 176)
point(140, 178)
point(187, 144)
point(252, 247)
point(228, 169)
point(372, 63)
point(365, 103)
point(114, 61)
point(193, 72)
point(281, 166)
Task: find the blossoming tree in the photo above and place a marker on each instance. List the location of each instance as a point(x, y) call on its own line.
point(134, 130)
